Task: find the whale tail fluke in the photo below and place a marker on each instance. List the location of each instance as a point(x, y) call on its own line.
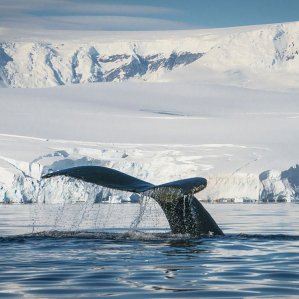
point(185, 214)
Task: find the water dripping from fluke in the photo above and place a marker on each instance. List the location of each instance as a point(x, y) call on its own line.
point(185, 214)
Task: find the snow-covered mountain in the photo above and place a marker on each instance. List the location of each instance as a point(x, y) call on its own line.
point(47, 64)
point(240, 55)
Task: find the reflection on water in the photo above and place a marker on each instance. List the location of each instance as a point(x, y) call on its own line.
point(102, 257)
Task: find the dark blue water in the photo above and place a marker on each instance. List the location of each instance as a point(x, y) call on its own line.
point(259, 256)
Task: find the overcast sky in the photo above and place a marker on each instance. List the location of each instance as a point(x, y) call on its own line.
point(144, 14)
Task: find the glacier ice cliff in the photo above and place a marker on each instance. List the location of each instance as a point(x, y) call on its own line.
point(280, 186)
point(20, 181)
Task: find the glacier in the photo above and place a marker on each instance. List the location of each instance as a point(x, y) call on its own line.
point(20, 181)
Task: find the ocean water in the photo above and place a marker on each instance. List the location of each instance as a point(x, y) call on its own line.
point(125, 250)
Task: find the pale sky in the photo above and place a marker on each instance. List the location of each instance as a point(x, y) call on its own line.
point(144, 14)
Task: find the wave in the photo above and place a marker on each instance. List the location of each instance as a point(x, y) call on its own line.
point(140, 236)
point(278, 237)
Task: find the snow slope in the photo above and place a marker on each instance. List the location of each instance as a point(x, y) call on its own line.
point(243, 140)
point(257, 56)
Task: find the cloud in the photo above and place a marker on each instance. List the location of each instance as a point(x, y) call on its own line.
point(117, 23)
point(114, 9)
point(87, 15)
point(69, 7)
point(93, 23)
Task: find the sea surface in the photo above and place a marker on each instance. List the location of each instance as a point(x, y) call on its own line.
point(125, 250)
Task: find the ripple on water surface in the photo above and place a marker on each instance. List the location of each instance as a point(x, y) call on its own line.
point(85, 263)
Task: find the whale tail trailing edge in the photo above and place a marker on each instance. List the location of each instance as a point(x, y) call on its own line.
point(185, 214)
